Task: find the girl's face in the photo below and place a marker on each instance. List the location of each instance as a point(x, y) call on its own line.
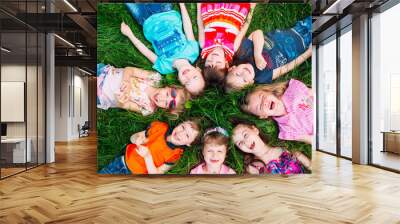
point(216, 59)
point(214, 155)
point(192, 79)
point(167, 98)
point(184, 134)
point(246, 138)
point(265, 104)
point(241, 76)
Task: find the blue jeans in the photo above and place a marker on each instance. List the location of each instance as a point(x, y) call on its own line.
point(142, 11)
point(117, 166)
point(304, 27)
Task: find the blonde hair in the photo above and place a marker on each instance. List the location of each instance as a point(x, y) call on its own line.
point(277, 89)
point(183, 96)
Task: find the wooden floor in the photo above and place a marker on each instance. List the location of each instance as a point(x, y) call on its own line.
point(70, 191)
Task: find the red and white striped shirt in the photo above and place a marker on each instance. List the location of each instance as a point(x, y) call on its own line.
point(222, 23)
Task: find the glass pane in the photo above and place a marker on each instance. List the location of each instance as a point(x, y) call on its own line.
point(327, 96)
point(41, 99)
point(385, 84)
point(346, 94)
point(31, 98)
point(13, 86)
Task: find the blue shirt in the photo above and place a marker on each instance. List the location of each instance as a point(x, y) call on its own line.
point(164, 31)
point(280, 48)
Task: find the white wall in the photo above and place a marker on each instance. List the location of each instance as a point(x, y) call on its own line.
point(70, 83)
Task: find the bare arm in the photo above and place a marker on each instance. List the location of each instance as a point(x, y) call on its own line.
point(200, 26)
point(126, 30)
point(187, 23)
point(144, 152)
point(258, 43)
point(303, 160)
point(138, 138)
point(244, 28)
point(291, 65)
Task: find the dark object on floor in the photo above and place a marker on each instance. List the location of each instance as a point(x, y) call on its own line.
point(84, 130)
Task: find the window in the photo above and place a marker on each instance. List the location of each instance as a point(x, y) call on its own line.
point(327, 95)
point(346, 75)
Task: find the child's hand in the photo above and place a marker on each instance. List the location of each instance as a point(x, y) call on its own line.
point(125, 29)
point(303, 159)
point(143, 151)
point(260, 62)
point(252, 170)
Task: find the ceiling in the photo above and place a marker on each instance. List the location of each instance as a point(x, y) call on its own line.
point(72, 20)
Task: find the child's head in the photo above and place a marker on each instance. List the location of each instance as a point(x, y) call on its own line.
point(247, 138)
point(239, 76)
point(171, 98)
point(185, 133)
point(192, 79)
point(265, 101)
point(215, 67)
point(215, 146)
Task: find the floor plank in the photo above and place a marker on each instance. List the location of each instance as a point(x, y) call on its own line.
point(70, 191)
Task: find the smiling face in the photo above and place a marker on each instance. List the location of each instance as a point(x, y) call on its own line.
point(247, 138)
point(216, 59)
point(185, 133)
point(214, 154)
point(167, 98)
point(240, 76)
point(265, 104)
point(192, 79)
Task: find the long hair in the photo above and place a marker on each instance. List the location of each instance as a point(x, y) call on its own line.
point(277, 89)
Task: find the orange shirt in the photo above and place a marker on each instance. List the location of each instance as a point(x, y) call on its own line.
point(162, 153)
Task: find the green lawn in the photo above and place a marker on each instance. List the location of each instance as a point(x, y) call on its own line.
point(115, 126)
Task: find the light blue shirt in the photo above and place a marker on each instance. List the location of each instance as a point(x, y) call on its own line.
point(164, 31)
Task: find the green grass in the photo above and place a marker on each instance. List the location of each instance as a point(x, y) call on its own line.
point(215, 108)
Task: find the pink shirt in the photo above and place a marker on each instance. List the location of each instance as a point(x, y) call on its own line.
point(200, 170)
point(298, 121)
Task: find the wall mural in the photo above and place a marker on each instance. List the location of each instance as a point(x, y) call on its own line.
point(206, 88)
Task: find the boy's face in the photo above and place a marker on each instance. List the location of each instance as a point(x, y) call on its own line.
point(240, 76)
point(184, 134)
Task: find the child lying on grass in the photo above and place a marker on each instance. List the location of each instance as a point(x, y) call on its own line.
point(136, 90)
point(266, 159)
point(262, 58)
point(222, 27)
point(155, 150)
point(214, 153)
point(290, 104)
point(174, 49)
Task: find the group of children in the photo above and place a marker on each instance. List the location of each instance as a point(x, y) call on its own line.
point(227, 59)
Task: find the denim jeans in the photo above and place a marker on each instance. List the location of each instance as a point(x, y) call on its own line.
point(304, 27)
point(142, 11)
point(117, 166)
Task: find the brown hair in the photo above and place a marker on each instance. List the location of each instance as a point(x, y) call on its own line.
point(216, 138)
point(214, 76)
point(277, 89)
point(195, 123)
